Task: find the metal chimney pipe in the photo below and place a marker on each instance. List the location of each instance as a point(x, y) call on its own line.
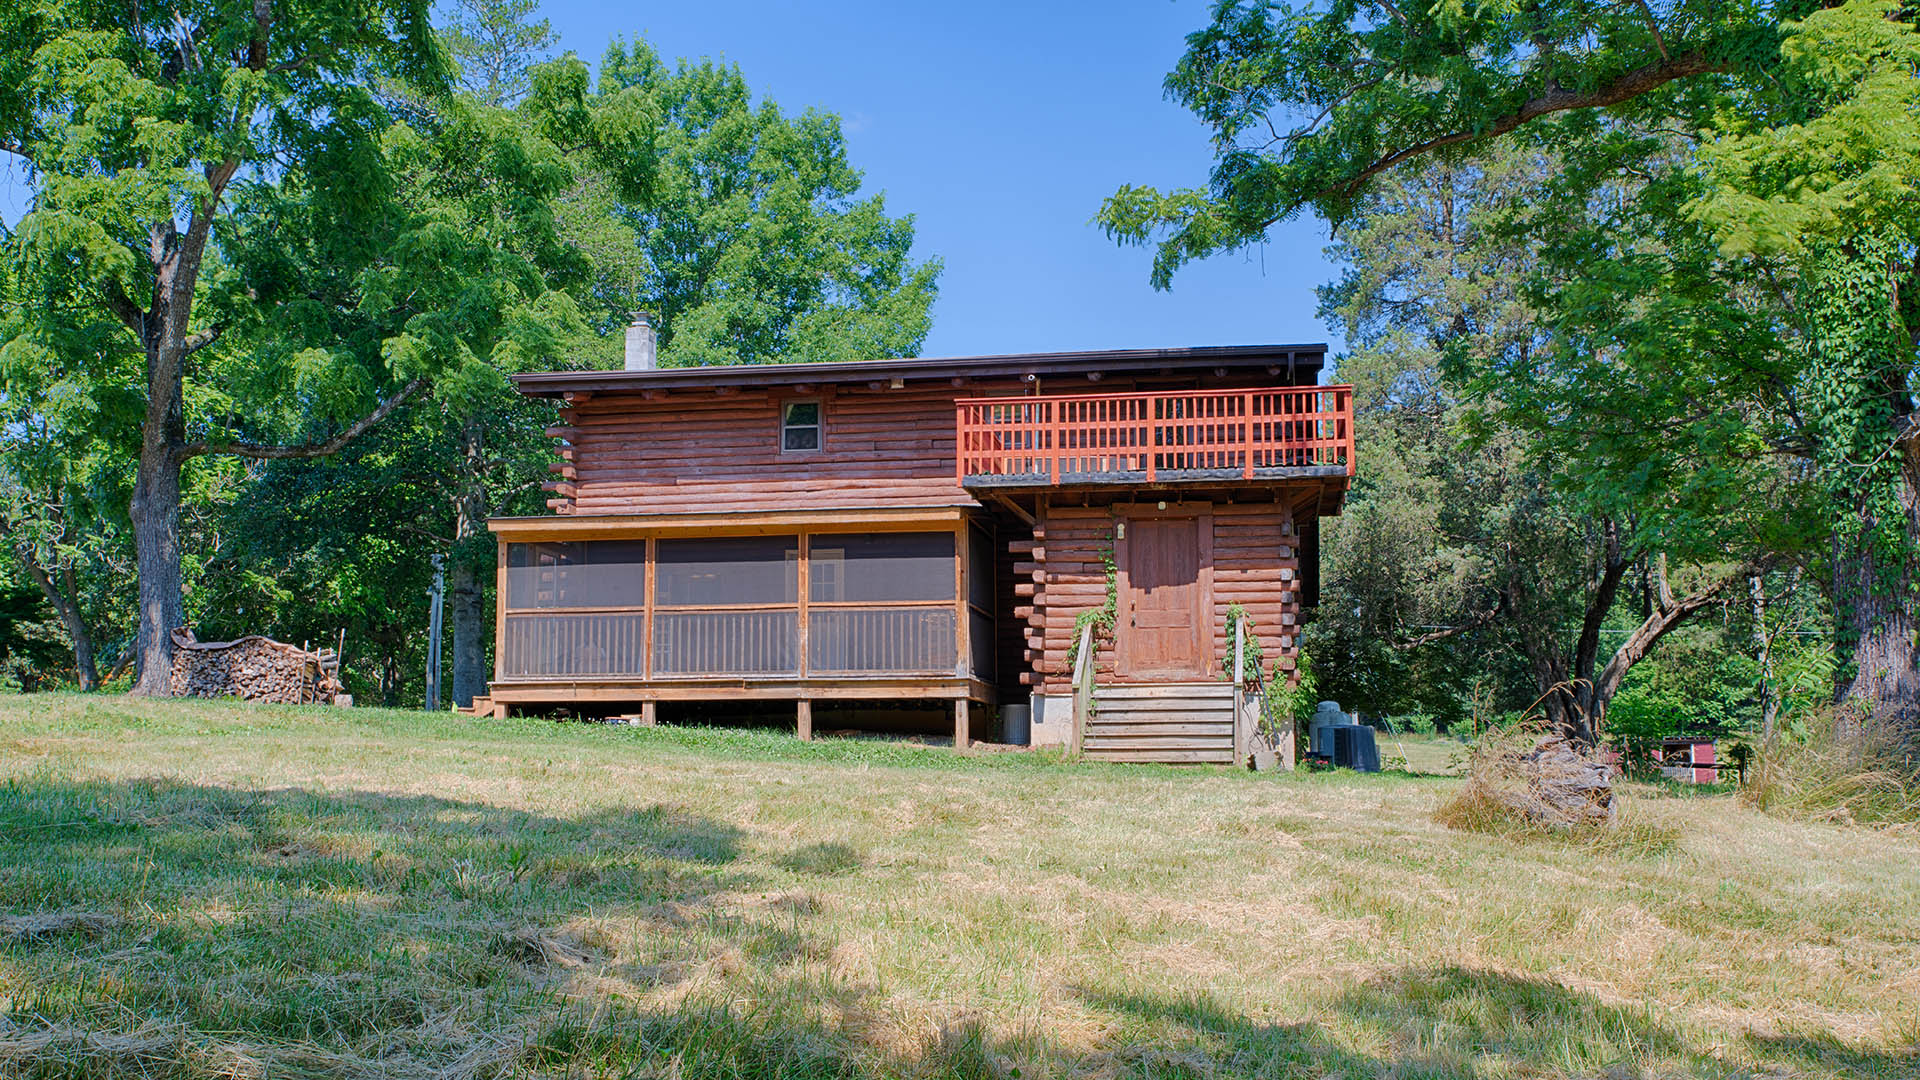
point(640, 343)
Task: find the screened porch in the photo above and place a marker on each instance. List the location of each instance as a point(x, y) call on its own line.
point(810, 604)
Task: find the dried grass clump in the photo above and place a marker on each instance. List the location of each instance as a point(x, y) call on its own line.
point(1527, 781)
point(50, 924)
point(1839, 769)
point(535, 947)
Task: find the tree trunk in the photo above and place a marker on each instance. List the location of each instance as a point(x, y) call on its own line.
point(66, 604)
point(1763, 655)
point(1869, 453)
point(467, 593)
point(470, 633)
point(1873, 597)
point(155, 511)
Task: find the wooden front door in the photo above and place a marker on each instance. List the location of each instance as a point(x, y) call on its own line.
point(1165, 595)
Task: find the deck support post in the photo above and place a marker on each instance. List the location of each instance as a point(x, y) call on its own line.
point(804, 715)
point(962, 739)
point(649, 716)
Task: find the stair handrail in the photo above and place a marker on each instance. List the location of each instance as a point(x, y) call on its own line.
point(1082, 688)
point(1258, 680)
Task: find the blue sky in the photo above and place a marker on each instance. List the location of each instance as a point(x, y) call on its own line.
point(1000, 127)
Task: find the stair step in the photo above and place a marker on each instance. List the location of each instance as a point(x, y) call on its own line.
point(1223, 728)
point(1162, 708)
point(1223, 756)
point(1161, 742)
point(1132, 692)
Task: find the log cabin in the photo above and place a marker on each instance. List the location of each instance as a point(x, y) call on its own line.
point(1090, 534)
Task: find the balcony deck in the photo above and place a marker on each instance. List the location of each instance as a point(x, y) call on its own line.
point(1206, 436)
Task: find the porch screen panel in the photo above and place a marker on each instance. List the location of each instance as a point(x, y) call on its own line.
point(576, 574)
point(876, 568)
point(580, 643)
point(575, 608)
point(727, 606)
point(881, 603)
point(981, 590)
point(729, 570)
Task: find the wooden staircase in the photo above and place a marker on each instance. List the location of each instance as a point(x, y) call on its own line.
point(1185, 723)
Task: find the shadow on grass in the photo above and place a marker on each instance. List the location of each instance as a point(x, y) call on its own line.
point(337, 919)
point(1453, 1021)
point(363, 934)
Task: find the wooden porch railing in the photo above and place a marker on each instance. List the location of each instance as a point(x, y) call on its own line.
point(1199, 434)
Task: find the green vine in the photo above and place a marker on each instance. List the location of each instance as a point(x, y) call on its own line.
point(1101, 618)
point(1282, 700)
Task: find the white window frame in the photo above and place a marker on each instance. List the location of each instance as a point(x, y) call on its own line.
point(819, 426)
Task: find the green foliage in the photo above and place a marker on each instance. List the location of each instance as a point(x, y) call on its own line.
point(1373, 83)
point(1292, 700)
point(1286, 703)
point(33, 654)
point(495, 44)
point(368, 232)
point(753, 244)
point(1621, 272)
point(1699, 684)
point(1101, 618)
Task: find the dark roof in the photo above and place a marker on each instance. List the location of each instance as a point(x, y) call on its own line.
point(1232, 357)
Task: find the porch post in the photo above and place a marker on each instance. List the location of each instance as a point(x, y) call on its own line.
point(804, 715)
point(961, 738)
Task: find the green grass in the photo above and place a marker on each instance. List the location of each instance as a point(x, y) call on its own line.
point(213, 889)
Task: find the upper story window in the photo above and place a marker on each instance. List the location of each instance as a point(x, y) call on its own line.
point(800, 426)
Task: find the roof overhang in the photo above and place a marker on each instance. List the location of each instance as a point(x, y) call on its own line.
point(727, 523)
point(1266, 359)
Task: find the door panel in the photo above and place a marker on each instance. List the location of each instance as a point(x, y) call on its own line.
point(1164, 598)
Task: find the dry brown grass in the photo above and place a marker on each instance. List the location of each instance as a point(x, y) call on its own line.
point(306, 892)
point(1871, 776)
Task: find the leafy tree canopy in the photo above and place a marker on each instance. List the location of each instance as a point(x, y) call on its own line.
point(755, 245)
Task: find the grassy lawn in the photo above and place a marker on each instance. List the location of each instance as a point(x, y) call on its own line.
point(206, 889)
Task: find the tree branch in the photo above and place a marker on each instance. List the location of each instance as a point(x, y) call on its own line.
point(1475, 623)
point(1587, 650)
point(1628, 86)
point(201, 340)
point(126, 311)
point(1657, 626)
point(305, 450)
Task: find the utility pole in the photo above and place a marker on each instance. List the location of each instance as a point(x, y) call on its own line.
point(437, 595)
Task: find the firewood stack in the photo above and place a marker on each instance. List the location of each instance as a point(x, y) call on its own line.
point(254, 668)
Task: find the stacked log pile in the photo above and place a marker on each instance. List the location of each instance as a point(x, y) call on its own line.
point(254, 668)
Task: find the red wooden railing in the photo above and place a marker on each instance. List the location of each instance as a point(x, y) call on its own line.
point(1189, 434)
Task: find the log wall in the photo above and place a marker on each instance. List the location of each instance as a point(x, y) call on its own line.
point(1256, 564)
point(679, 451)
